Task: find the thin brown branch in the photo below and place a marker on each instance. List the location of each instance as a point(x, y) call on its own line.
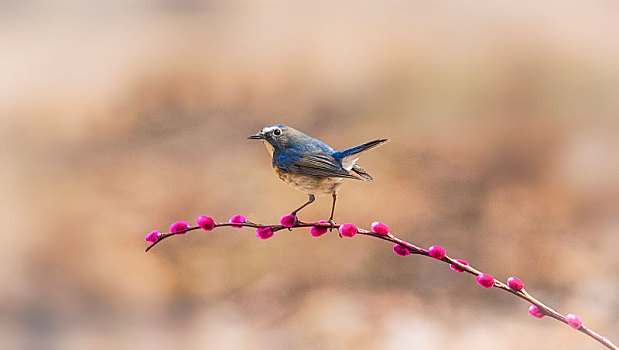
point(415, 250)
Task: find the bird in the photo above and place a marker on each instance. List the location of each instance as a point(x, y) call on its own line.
point(310, 165)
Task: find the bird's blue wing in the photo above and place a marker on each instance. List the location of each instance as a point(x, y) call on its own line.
point(315, 164)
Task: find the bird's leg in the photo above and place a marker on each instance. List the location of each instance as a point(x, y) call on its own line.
point(309, 201)
point(334, 195)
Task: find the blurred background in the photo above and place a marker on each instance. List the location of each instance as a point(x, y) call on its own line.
point(120, 117)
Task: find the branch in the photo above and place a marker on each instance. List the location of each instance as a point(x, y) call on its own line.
point(381, 231)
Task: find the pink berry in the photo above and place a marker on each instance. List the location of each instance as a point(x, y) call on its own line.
point(287, 220)
point(574, 321)
point(456, 268)
point(379, 228)
point(485, 280)
point(401, 250)
point(535, 311)
point(207, 223)
point(264, 232)
point(237, 219)
point(515, 283)
point(318, 231)
point(348, 230)
point(179, 227)
point(437, 252)
point(152, 237)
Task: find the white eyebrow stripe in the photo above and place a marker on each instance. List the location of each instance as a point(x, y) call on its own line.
point(268, 129)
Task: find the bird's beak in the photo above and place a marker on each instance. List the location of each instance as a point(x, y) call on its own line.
point(258, 136)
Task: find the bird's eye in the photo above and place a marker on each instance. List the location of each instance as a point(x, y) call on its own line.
point(277, 132)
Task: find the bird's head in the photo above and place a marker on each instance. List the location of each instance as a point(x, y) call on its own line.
point(277, 137)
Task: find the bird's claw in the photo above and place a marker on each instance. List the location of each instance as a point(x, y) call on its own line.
point(332, 225)
point(296, 220)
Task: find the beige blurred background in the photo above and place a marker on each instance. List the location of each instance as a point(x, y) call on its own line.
point(120, 117)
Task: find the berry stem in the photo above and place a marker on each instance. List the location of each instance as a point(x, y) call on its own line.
point(415, 250)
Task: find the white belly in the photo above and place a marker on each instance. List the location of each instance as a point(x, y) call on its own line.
point(311, 184)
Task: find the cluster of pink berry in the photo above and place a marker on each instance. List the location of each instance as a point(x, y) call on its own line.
point(487, 281)
point(181, 227)
point(349, 230)
point(263, 232)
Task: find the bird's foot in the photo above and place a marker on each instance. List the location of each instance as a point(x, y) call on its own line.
point(332, 226)
point(296, 220)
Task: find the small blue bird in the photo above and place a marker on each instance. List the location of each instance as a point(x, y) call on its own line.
point(311, 166)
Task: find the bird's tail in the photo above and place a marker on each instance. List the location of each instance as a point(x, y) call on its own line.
point(358, 149)
point(348, 157)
